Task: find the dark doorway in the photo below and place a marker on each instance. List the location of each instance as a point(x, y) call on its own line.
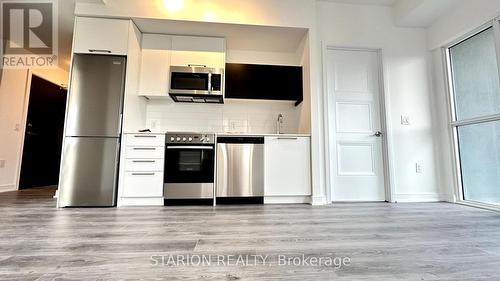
point(44, 134)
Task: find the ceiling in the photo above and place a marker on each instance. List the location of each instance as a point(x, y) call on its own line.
point(367, 2)
point(408, 13)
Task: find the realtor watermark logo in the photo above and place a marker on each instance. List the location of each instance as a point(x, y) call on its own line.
point(29, 34)
point(203, 260)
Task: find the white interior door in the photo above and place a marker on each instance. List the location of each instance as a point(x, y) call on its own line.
point(357, 171)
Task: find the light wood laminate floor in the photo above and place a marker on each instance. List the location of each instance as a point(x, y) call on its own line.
point(426, 241)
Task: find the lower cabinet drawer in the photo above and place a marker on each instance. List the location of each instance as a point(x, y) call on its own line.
point(145, 152)
point(143, 184)
point(144, 165)
point(145, 139)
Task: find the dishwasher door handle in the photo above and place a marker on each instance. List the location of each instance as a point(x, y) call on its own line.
point(191, 147)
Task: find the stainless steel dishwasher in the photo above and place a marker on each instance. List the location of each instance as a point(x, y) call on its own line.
point(240, 169)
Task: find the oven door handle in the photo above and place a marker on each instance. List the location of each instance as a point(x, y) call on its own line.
point(191, 147)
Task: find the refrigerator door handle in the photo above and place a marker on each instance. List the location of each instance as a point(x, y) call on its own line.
point(117, 172)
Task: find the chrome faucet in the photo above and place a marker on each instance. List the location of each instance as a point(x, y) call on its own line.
point(279, 122)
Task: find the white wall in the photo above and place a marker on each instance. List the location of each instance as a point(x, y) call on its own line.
point(447, 28)
point(465, 16)
point(12, 94)
point(12, 115)
point(441, 130)
point(407, 88)
point(242, 116)
point(304, 117)
point(134, 107)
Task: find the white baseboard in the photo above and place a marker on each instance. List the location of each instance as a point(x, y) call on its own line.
point(130, 201)
point(287, 200)
point(318, 200)
point(7, 187)
point(420, 197)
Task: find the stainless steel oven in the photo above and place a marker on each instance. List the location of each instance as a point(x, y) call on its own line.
point(189, 166)
point(197, 84)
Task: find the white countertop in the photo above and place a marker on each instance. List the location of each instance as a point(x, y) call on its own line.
point(263, 135)
point(231, 134)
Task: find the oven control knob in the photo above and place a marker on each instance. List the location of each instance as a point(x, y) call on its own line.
point(190, 139)
point(183, 139)
point(178, 139)
point(172, 138)
point(207, 139)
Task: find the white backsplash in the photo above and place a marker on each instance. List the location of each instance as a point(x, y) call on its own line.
point(235, 116)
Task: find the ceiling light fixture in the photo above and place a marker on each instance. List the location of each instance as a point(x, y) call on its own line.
point(173, 5)
point(209, 16)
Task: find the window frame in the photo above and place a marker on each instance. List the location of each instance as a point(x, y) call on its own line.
point(453, 123)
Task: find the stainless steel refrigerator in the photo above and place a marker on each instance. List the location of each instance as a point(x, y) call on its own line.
point(89, 166)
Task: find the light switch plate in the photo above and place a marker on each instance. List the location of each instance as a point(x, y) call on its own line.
point(405, 120)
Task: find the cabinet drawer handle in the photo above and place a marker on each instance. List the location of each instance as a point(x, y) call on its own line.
point(144, 136)
point(99, 51)
point(144, 148)
point(143, 174)
point(143, 161)
point(287, 138)
point(197, 65)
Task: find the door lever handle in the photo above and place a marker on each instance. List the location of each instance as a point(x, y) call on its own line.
point(378, 134)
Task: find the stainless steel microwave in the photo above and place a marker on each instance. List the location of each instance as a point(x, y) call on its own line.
point(196, 84)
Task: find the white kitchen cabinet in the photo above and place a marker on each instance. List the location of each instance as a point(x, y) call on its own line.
point(149, 140)
point(144, 165)
point(143, 184)
point(198, 51)
point(287, 166)
point(155, 65)
point(144, 152)
point(202, 59)
point(141, 170)
point(101, 36)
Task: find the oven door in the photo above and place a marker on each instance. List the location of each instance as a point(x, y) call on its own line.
point(189, 172)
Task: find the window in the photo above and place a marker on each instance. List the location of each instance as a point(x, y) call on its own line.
point(475, 99)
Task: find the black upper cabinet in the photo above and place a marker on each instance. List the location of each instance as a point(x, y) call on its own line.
point(268, 82)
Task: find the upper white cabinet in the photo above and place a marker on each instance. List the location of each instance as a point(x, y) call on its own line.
point(287, 166)
point(155, 65)
point(101, 36)
point(198, 51)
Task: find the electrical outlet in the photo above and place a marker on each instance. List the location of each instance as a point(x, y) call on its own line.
point(232, 125)
point(418, 168)
point(2, 164)
point(154, 124)
point(405, 120)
